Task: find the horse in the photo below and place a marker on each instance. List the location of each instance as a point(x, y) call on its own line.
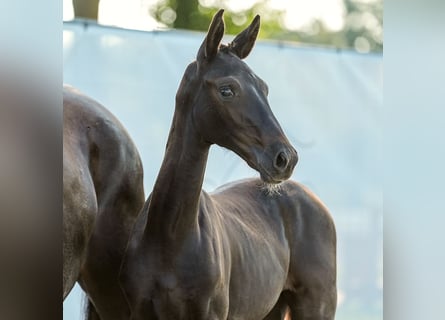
point(253, 248)
point(102, 195)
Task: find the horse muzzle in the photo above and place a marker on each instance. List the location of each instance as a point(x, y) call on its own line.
point(278, 164)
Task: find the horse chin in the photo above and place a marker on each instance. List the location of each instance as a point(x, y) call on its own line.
point(266, 176)
point(271, 189)
point(269, 185)
point(268, 179)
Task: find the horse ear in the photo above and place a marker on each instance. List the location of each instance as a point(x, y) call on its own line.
point(244, 42)
point(210, 45)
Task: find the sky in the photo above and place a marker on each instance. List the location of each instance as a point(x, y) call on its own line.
point(134, 14)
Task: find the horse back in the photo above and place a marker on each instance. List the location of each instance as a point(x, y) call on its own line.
point(290, 209)
point(103, 147)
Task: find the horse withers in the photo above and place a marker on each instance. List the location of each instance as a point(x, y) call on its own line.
point(252, 249)
point(102, 195)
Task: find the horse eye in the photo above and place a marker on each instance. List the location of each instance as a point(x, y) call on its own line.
point(226, 91)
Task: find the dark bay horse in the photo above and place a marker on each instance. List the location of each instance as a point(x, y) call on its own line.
point(102, 195)
point(246, 251)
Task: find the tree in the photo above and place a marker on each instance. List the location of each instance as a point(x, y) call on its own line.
point(363, 29)
point(192, 15)
point(364, 21)
point(88, 9)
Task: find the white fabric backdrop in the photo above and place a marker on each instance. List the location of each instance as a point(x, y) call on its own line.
point(328, 102)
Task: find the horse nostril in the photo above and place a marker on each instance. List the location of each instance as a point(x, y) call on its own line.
point(281, 161)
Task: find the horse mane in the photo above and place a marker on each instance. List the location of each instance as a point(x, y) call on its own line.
point(183, 93)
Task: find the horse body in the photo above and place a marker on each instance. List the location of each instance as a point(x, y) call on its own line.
point(238, 255)
point(251, 246)
point(103, 193)
point(281, 240)
point(246, 251)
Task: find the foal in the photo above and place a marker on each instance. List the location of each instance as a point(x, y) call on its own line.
point(102, 195)
point(241, 252)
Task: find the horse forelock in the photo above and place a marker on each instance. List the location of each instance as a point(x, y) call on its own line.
point(228, 49)
point(225, 48)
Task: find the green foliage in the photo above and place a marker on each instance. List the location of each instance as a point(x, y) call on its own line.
point(363, 29)
point(86, 9)
point(191, 15)
point(364, 20)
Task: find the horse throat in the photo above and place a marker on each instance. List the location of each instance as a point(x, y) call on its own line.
point(174, 203)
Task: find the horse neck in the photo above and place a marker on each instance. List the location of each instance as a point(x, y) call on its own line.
point(174, 202)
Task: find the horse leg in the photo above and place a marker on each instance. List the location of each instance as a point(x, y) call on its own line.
point(312, 285)
point(309, 307)
point(314, 293)
point(90, 311)
point(280, 311)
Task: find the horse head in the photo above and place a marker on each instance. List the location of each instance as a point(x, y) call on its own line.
point(228, 105)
